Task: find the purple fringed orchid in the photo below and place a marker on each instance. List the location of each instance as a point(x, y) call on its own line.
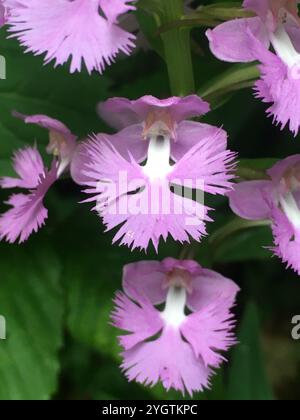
point(142, 178)
point(277, 25)
point(179, 345)
point(28, 213)
point(278, 200)
point(80, 30)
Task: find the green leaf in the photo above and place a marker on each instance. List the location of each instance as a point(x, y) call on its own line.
point(220, 88)
point(244, 245)
point(90, 285)
point(6, 168)
point(247, 378)
point(152, 6)
point(32, 303)
point(260, 164)
point(232, 227)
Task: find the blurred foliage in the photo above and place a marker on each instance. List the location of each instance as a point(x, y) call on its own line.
point(247, 380)
point(32, 301)
point(57, 289)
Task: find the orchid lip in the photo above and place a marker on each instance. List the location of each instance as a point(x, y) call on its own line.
point(174, 312)
point(158, 159)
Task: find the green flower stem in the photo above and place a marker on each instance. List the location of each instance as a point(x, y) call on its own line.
point(234, 226)
point(250, 174)
point(236, 77)
point(208, 17)
point(177, 45)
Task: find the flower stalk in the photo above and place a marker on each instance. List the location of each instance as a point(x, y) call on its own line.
point(177, 50)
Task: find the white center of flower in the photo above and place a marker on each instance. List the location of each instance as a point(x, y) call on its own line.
point(290, 207)
point(286, 51)
point(174, 314)
point(158, 160)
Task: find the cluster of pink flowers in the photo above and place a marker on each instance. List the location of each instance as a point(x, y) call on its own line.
point(272, 37)
point(138, 178)
point(142, 179)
